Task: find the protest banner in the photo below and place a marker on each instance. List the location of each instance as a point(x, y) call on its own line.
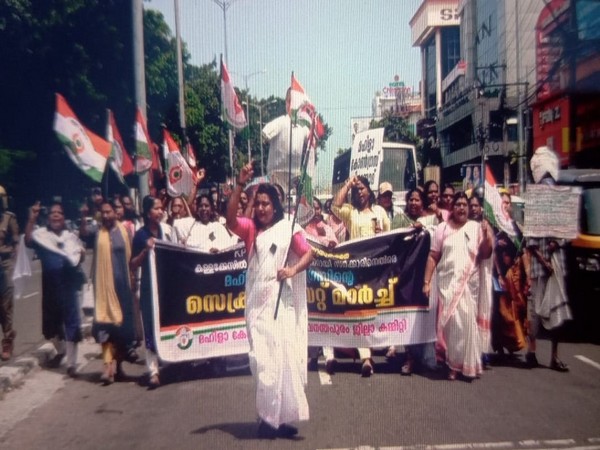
point(364, 293)
point(199, 302)
point(368, 292)
point(552, 211)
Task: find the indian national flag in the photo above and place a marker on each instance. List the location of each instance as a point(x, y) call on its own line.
point(120, 160)
point(87, 150)
point(493, 206)
point(143, 149)
point(300, 108)
point(180, 178)
point(232, 109)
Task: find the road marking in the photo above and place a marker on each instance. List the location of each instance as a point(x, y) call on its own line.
point(554, 444)
point(588, 361)
point(324, 377)
point(33, 294)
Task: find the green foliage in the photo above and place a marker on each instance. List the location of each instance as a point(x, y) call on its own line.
point(396, 129)
point(9, 157)
point(83, 49)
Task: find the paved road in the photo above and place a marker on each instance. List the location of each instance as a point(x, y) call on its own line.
point(510, 407)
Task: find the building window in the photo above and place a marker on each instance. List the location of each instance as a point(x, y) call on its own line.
point(430, 78)
point(450, 49)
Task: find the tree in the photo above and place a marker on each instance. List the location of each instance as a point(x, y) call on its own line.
point(48, 47)
point(396, 128)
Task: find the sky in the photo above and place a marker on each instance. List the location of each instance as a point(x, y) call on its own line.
point(341, 51)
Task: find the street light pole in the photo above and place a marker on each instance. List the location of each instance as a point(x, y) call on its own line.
point(260, 122)
point(262, 155)
point(140, 77)
point(224, 5)
point(248, 105)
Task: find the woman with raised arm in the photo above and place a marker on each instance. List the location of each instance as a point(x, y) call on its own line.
point(278, 345)
point(363, 217)
point(459, 249)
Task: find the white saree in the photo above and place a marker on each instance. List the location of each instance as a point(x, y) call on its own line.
point(463, 326)
point(278, 347)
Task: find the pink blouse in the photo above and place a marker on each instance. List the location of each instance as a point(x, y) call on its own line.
point(246, 230)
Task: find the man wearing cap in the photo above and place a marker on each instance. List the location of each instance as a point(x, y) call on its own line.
point(9, 239)
point(385, 197)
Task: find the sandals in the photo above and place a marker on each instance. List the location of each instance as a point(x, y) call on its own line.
point(108, 376)
point(330, 366)
point(558, 365)
point(153, 382)
point(367, 369)
point(452, 375)
point(531, 360)
point(407, 369)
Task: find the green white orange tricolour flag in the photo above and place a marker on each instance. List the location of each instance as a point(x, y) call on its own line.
point(180, 178)
point(120, 161)
point(232, 109)
point(300, 108)
point(493, 206)
point(86, 149)
point(143, 145)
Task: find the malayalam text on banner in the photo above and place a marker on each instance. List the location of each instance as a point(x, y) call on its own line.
point(364, 293)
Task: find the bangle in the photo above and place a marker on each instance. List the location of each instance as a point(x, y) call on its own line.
point(425, 282)
point(242, 185)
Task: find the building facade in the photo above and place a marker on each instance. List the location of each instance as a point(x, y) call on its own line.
point(396, 98)
point(476, 97)
point(566, 111)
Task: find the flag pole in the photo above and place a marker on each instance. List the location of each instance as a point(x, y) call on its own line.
point(289, 199)
point(299, 191)
point(299, 188)
point(308, 141)
point(229, 130)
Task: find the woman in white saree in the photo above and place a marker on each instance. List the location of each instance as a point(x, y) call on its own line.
point(278, 346)
point(461, 250)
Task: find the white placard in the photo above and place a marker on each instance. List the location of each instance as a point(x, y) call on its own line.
point(365, 158)
point(552, 211)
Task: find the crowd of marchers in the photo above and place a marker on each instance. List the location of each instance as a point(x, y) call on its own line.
point(492, 287)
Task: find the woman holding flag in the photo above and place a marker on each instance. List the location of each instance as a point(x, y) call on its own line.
point(276, 313)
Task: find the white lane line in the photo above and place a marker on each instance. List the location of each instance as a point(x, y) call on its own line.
point(33, 294)
point(588, 361)
point(324, 377)
point(553, 442)
point(539, 444)
point(478, 445)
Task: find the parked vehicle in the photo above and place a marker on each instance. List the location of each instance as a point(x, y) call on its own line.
point(583, 255)
point(398, 166)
